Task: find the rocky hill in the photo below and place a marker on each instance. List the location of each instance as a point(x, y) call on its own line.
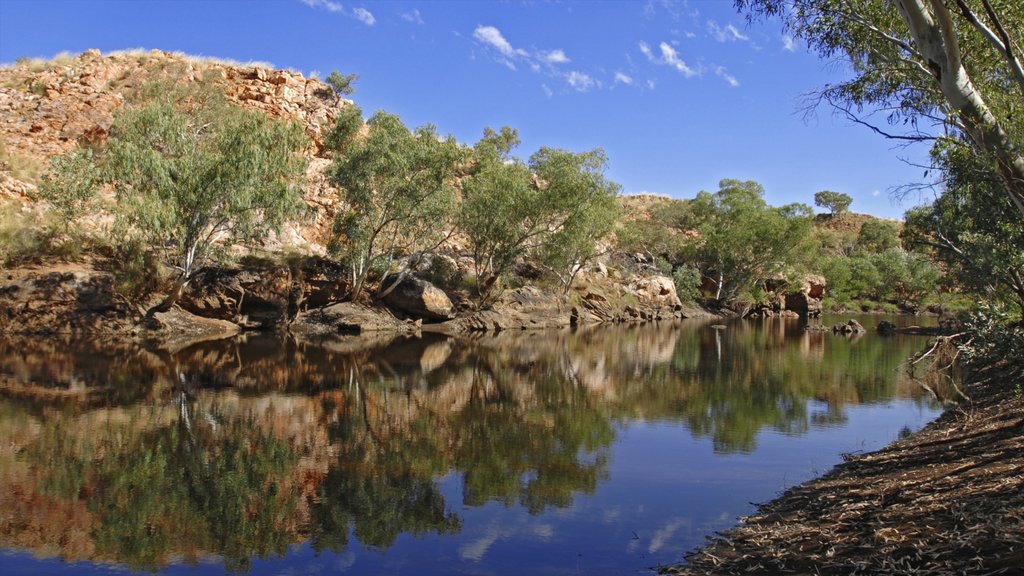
point(47, 108)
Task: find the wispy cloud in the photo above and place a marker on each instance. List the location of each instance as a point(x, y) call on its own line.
point(580, 81)
point(671, 57)
point(727, 34)
point(555, 57)
point(647, 51)
point(364, 16)
point(621, 78)
point(539, 61)
point(361, 14)
point(729, 78)
point(414, 16)
point(493, 37)
point(788, 44)
point(325, 4)
point(668, 57)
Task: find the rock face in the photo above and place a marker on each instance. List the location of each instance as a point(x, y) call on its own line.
point(65, 302)
point(420, 299)
point(250, 298)
point(47, 109)
point(806, 301)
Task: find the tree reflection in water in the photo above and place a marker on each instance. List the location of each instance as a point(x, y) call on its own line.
point(241, 448)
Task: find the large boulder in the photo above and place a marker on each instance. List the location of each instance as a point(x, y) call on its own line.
point(656, 291)
point(253, 298)
point(806, 300)
point(420, 299)
point(347, 318)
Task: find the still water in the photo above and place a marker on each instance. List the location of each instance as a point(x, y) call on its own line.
point(597, 451)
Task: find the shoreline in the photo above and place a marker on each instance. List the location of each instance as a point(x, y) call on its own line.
point(948, 499)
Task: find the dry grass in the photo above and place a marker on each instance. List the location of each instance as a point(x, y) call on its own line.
point(24, 168)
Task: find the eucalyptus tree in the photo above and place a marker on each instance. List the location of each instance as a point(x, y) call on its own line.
point(972, 229)
point(589, 202)
point(191, 172)
point(556, 208)
point(835, 202)
point(398, 186)
point(953, 63)
point(740, 239)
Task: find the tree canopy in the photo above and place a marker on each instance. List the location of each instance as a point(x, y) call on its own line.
point(398, 186)
point(191, 170)
point(556, 208)
point(740, 238)
point(929, 66)
point(835, 202)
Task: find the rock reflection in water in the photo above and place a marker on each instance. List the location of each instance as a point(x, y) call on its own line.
point(240, 448)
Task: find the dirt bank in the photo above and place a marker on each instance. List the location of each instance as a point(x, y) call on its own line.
point(947, 500)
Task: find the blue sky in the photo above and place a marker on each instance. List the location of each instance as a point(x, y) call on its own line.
point(680, 94)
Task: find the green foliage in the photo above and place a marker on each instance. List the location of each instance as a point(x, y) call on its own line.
point(972, 228)
point(189, 170)
point(71, 185)
point(442, 272)
point(936, 62)
point(895, 275)
point(589, 203)
point(657, 235)
point(341, 84)
point(878, 236)
point(398, 186)
point(687, 280)
point(557, 208)
point(135, 268)
point(741, 239)
point(835, 202)
point(994, 339)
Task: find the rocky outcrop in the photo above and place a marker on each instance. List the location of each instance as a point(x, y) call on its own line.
point(418, 298)
point(348, 318)
point(850, 328)
point(806, 300)
point(48, 108)
point(68, 301)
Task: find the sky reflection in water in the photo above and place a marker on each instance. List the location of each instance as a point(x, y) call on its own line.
point(604, 450)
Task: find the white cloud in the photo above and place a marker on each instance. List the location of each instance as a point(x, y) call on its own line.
point(728, 34)
point(647, 51)
point(361, 14)
point(621, 78)
point(325, 4)
point(580, 81)
point(364, 16)
point(730, 79)
point(492, 37)
point(415, 17)
point(671, 57)
point(788, 44)
point(651, 84)
point(876, 192)
point(547, 91)
point(555, 57)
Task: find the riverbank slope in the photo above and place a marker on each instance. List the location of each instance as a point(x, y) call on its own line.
point(947, 500)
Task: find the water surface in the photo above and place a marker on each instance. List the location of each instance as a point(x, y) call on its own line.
point(605, 450)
